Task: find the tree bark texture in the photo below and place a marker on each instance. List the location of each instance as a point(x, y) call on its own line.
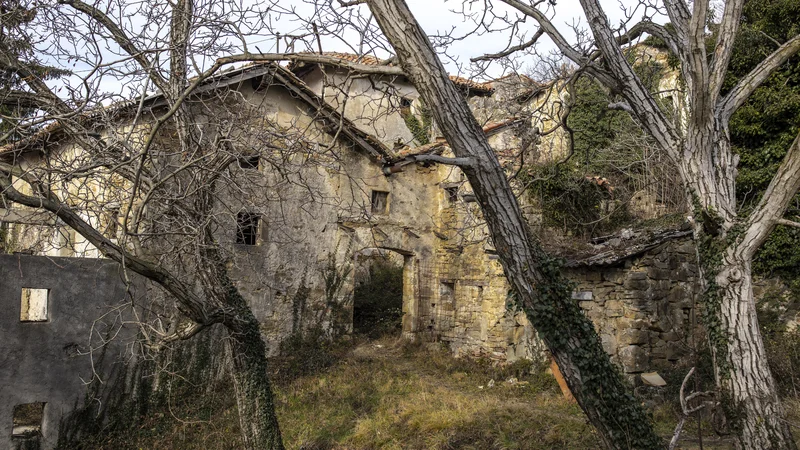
point(753, 409)
point(545, 295)
point(727, 242)
point(726, 246)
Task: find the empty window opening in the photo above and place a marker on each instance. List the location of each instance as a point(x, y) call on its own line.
point(249, 162)
point(447, 292)
point(33, 307)
point(380, 202)
point(405, 106)
point(27, 420)
point(112, 227)
point(452, 194)
point(247, 228)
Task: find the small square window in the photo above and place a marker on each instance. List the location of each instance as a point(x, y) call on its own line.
point(27, 420)
point(112, 225)
point(380, 202)
point(249, 162)
point(447, 291)
point(452, 194)
point(247, 228)
point(33, 307)
point(405, 106)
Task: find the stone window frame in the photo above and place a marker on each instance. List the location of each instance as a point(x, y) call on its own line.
point(249, 162)
point(379, 202)
point(248, 227)
point(27, 420)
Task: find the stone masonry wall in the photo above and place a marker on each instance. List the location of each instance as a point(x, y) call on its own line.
point(642, 307)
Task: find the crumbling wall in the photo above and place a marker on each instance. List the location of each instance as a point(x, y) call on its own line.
point(642, 306)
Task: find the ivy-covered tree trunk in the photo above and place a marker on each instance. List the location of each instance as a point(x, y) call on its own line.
point(247, 351)
point(257, 419)
point(597, 385)
point(699, 145)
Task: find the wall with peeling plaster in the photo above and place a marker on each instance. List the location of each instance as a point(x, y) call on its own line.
point(320, 216)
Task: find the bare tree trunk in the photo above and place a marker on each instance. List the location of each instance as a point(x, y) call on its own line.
point(545, 295)
point(726, 245)
point(754, 409)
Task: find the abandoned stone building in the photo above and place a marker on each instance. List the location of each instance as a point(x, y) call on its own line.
point(373, 186)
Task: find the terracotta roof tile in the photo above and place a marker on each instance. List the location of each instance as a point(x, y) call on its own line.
point(371, 60)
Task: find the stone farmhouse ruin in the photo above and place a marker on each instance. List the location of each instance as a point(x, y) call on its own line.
point(377, 187)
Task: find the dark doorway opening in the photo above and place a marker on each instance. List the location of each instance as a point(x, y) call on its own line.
point(378, 295)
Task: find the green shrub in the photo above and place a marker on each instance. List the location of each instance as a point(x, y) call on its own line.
point(573, 202)
point(781, 344)
point(306, 352)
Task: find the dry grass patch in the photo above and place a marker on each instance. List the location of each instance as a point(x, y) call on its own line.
point(391, 395)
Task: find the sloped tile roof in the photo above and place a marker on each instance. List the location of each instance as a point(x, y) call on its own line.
point(374, 61)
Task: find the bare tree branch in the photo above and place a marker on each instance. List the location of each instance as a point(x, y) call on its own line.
point(787, 222)
point(121, 39)
point(731, 18)
point(489, 56)
point(747, 85)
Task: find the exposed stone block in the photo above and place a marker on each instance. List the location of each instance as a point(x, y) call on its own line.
point(637, 275)
point(609, 343)
point(613, 308)
point(680, 275)
point(658, 274)
point(633, 359)
point(582, 295)
point(636, 285)
point(614, 276)
point(587, 305)
point(625, 322)
point(634, 336)
point(675, 350)
point(636, 294)
point(596, 315)
point(669, 336)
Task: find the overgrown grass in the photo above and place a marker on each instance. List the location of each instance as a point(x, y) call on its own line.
point(390, 394)
point(418, 397)
point(384, 394)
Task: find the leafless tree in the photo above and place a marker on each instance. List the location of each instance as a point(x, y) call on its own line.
point(149, 181)
point(697, 143)
point(699, 146)
point(155, 47)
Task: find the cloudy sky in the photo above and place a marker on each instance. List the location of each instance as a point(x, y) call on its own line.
point(442, 17)
point(437, 17)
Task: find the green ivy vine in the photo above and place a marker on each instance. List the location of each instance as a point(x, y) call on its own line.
point(604, 391)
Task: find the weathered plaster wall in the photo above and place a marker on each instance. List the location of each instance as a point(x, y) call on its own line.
point(315, 215)
point(50, 361)
point(373, 103)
